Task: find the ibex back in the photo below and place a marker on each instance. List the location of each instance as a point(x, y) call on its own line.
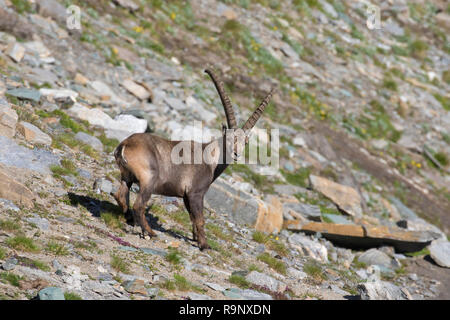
point(146, 159)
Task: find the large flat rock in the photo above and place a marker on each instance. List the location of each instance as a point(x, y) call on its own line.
point(13, 155)
point(357, 236)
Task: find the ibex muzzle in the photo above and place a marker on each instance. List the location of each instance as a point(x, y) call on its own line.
point(146, 159)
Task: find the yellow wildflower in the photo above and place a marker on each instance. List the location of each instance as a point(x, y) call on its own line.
point(138, 29)
point(173, 16)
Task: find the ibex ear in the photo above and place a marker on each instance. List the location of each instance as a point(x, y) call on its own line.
point(247, 136)
point(224, 128)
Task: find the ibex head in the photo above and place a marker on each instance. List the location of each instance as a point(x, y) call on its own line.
point(236, 138)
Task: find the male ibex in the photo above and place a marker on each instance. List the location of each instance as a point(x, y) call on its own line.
point(146, 159)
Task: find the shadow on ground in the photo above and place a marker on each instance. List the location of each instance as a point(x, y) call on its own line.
point(96, 207)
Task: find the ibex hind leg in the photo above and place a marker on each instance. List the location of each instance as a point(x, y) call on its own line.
point(144, 195)
point(122, 197)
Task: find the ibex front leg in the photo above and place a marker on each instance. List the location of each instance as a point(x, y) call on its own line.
point(191, 215)
point(196, 207)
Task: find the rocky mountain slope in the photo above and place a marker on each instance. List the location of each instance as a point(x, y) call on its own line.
point(358, 209)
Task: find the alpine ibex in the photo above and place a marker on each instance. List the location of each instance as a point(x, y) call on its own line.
point(146, 159)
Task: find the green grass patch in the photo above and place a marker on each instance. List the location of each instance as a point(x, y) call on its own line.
point(173, 256)
point(119, 264)
point(22, 243)
point(272, 262)
point(298, 178)
point(11, 278)
point(420, 253)
point(445, 102)
point(314, 270)
point(2, 253)
point(72, 296)
point(239, 281)
point(9, 225)
point(56, 248)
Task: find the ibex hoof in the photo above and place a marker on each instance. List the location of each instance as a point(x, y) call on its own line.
point(148, 234)
point(204, 246)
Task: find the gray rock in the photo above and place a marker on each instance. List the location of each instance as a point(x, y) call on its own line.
point(8, 205)
point(157, 252)
point(9, 264)
point(376, 257)
point(97, 287)
point(311, 212)
point(381, 290)
point(51, 293)
point(404, 211)
point(309, 247)
point(152, 292)
point(84, 173)
point(175, 103)
point(196, 296)
point(92, 141)
point(247, 294)
point(440, 253)
point(25, 94)
point(52, 9)
point(263, 280)
point(41, 223)
point(336, 218)
point(215, 286)
point(297, 274)
point(103, 185)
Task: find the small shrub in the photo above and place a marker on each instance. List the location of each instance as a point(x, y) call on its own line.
point(11, 278)
point(314, 270)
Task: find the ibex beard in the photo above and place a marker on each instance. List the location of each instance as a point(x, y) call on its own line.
point(147, 159)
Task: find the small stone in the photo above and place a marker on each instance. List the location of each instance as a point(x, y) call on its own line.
point(51, 293)
point(135, 286)
point(8, 120)
point(16, 51)
point(9, 264)
point(152, 292)
point(136, 89)
point(92, 141)
point(80, 79)
point(103, 185)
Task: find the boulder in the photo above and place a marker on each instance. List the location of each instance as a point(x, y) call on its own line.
point(440, 253)
point(377, 257)
point(310, 212)
point(346, 198)
point(244, 208)
point(51, 293)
